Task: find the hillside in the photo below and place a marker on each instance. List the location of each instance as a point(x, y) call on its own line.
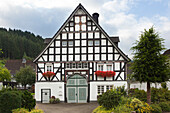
point(15, 42)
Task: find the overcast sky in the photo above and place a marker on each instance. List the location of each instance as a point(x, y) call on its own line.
point(123, 18)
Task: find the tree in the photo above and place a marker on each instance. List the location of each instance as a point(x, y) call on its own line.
point(4, 74)
point(149, 65)
point(25, 76)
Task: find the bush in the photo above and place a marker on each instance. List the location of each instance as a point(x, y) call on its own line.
point(164, 106)
point(122, 90)
point(163, 84)
point(20, 110)
point(125, 100)
point(156, 108)
point(160, 95)
point(136, 103)
point(23, 110)
point(110, 99)
point(140, 94)
point(54, 100)
point(101, 109)
point(28, 101)
point(122, 109)
point(9, 100)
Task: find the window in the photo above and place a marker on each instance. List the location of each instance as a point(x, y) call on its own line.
point(85, 65)
point(49, 68)
point(109, 67)
point(97, 42)
point(100, 90)
point(100, 67)
point(109, 87)
point(79, 65)
point(90, 43)
point(70, 43)
point(67, 65)
point(64, 43)
point(74, 65)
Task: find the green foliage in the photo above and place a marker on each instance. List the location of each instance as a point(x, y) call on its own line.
point(163, 84)
point(125, 100)
point(25, 75)
point(27, 101)
point(149, 65)
point(15, 42)
point(122, 90)
point(110, 99)
point(9, 100)
point(140, 94)
point(122, 109)
point(101, 109)
point(165, 106)
point(54, 100)
point(160, 95)
point(27, 57)
point(136, 103)
point(156, 108)
point(20, 110)
point(23, 110)
point(4, 74)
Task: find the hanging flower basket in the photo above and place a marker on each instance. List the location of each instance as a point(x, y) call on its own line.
point(105, 73)
point(48, 74)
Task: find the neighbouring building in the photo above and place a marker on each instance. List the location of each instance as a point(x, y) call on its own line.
point(79, 49)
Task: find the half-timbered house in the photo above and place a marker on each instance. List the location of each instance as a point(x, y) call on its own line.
point(79, 49)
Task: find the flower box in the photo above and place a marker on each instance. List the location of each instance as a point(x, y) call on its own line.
point(48, 74)
point(105, 73)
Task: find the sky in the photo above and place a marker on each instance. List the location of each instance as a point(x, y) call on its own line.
point(124, 18)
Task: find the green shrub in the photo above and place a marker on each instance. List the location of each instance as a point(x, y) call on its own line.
point(54, 100)
point(28, 101)
point(163, 84)
point(136, 103)
point(9, 100)
point(101, 109)
point(136, 93)
point(110, 99)
point(156, 108)
point(122, 109)
point(23, 110)
point(125, 100)
point(122, 90)
point(164, 106)
point(20, 110)
point(160, 95)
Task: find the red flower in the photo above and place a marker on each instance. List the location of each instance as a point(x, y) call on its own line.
point(48, 74)
point(105, 73)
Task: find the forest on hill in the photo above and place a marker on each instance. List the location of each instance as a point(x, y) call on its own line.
point(14, 43)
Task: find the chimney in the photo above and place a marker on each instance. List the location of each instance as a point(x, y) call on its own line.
point(95, 17)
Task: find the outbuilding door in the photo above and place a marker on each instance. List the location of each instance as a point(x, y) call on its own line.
point(45, 95)
point(77, 89)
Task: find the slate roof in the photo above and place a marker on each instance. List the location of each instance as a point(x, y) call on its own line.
point(14, 65)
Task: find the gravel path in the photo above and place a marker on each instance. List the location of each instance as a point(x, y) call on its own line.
point(67, 107)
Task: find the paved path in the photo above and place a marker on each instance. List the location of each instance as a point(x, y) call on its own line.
point(68, 108)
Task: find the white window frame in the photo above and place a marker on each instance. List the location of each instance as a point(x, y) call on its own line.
point(100, 89)
point(90, 43)
point(64, 43)
point(109, 67)
point(100, 67)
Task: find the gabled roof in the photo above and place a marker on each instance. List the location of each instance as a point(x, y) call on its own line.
point(14, 65)
point(69, 18)
point(167, 52)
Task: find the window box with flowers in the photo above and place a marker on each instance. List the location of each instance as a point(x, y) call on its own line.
point(48, 74)
point(105, 73)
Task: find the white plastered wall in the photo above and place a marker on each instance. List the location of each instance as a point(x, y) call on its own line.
point(57, 89)
point(143, 86)
point(1, 85)
point(93, 87)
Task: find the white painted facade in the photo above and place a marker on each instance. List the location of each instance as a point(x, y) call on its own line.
point(57, 89)
point(94, 87)
point(143, 86)
point(1, 85)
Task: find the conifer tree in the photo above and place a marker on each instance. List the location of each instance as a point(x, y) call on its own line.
point(149, 65)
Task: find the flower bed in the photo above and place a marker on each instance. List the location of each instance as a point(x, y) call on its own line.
point(105, 73)
point(48, 74)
